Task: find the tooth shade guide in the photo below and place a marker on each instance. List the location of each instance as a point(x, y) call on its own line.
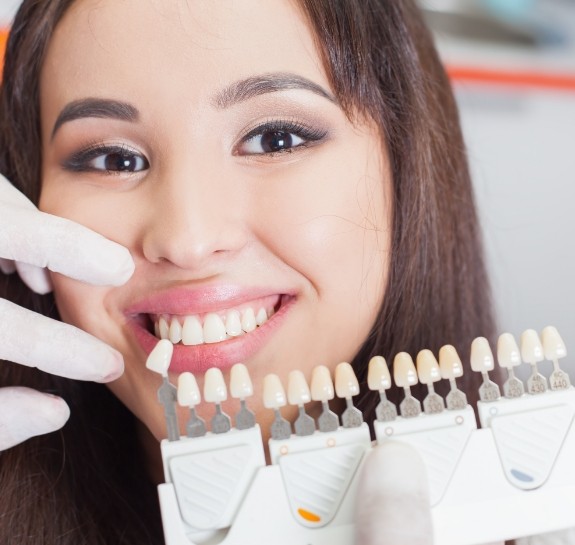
point(379, 380)
point(299, 394)
point(482, 361)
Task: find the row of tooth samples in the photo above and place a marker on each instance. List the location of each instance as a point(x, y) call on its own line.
point(534, 349)
point(321, 390)
point(211, 328)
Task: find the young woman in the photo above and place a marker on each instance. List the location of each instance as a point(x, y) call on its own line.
point(300, 162)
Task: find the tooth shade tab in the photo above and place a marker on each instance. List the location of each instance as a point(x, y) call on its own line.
point(274, 394)
point(427, 367)
point(160, 357)
point(346, 384)
point(404, 373)
point(215, 390)
point(481, 355)
point(240, 382)
point(553, 345)
point(450, 365)
point(321, 384)
point(378, 377)
point(531, 348)
point(508, 354)
point(298, 389)
point(188, 390)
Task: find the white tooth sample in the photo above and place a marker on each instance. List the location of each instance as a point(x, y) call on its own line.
point(188, 390)
point(378, 377)
point(175, 332)
point(450, 364)
point(508, 354)
point(240, 382)
point(261, 316)
point(274, 394)
point(427, 367)
point(214, 329)
point(298, 389)
point(346, 385)
point(215, 390)
point(404, 373)
point(553, 345)
point(249, 320)
point(164, 328)
point(481, 356)
point(531, 348)
point(321, 384)
point(233, 323)
point(159, 358)
point(192, 332)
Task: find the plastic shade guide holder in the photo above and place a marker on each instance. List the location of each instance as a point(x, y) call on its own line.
point(512, 477)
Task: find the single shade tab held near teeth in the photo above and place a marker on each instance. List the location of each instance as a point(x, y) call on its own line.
point(159, 361)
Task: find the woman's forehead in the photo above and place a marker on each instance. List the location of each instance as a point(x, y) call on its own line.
point(101, 46)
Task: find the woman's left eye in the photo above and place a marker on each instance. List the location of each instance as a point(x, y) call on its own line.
point(109, 159)
point(275, 138)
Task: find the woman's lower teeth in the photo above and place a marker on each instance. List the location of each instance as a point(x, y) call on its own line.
point(190, 330)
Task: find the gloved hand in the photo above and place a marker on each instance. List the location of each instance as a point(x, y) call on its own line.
point(393, 498)
point(31, 241)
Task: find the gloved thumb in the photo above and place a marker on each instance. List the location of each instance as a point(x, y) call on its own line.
point(393, 498)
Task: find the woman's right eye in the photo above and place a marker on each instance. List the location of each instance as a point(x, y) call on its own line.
point(107, 159)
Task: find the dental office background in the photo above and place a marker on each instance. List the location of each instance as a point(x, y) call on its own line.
point(512, 63)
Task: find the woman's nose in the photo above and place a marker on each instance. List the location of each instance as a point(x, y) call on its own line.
point(194, 223)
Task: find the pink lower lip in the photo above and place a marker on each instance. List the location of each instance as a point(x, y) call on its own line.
point(198, 359)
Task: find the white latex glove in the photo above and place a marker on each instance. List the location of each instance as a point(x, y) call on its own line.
point(31, 241)
point(393, 498)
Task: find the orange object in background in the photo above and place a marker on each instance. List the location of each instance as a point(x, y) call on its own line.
point(3, 39)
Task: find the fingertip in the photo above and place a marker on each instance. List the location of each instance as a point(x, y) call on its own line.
point(35, 278)
point(113, 369)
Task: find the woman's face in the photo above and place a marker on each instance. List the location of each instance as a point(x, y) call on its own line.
point(206, 139)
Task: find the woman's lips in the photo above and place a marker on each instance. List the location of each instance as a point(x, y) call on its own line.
point(199, 358)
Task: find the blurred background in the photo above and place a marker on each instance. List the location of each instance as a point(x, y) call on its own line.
point(512, 64)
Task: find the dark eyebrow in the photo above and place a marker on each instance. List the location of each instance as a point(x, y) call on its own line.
point(266, 83)
point(96, 107)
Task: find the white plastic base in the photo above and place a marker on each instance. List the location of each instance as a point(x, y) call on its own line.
point(476, 496)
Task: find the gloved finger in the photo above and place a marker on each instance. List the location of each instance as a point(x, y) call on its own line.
point(58, 348)
point(61, 245)
point(37, 279)
point(393, 498)
point(7, 266)
point(26, 413)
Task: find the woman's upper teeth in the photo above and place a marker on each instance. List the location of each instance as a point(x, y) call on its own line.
point(211, 327)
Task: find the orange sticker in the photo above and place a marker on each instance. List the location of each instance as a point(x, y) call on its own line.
point(3, 40)
point(306, 515)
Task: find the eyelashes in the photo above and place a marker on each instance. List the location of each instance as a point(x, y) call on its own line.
point(109, 158)
point(268, 140)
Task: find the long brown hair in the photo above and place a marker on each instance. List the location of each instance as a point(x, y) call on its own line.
point(84, 484)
